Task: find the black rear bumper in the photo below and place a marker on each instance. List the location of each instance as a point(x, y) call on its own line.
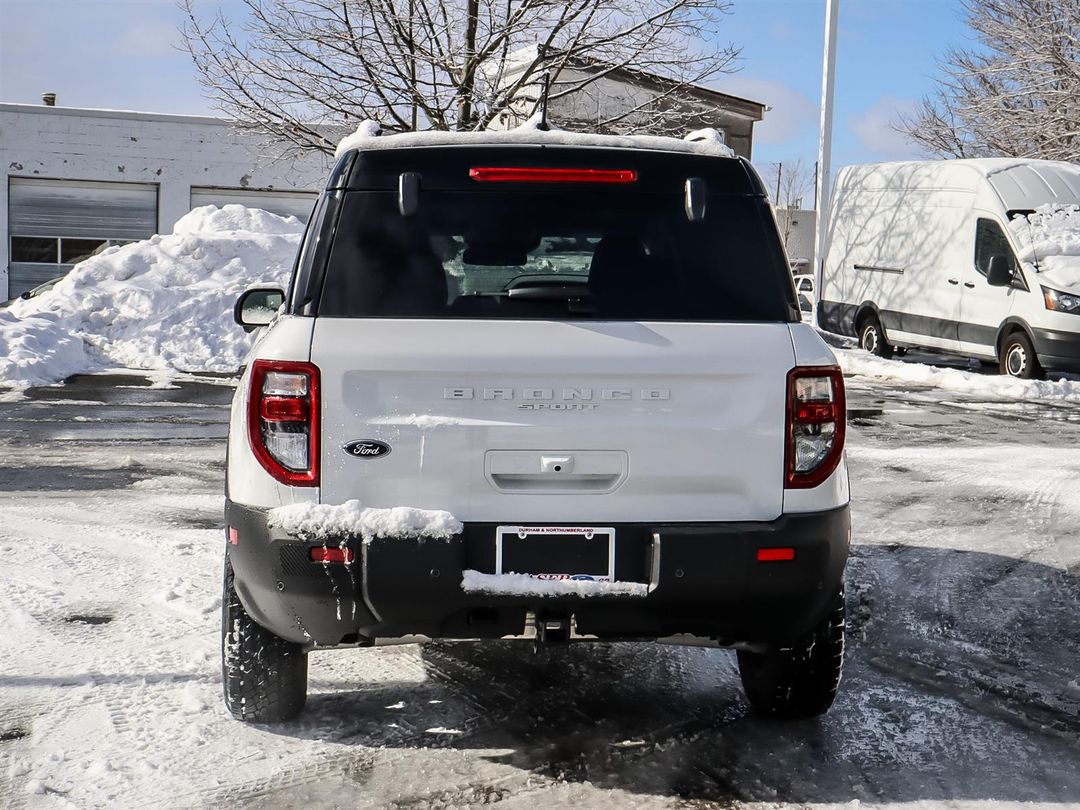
point(705, 580)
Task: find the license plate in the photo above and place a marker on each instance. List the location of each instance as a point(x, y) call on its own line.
point(556, 552)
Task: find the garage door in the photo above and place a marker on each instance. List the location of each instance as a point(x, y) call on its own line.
point(283, 203)
point(52, 224)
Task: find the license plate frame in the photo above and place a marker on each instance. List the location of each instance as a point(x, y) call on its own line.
point(554, 533)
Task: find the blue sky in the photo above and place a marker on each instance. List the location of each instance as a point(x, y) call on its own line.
point(123, 54)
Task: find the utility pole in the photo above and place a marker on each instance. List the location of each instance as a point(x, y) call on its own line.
point(779, 171)
point(824, 164)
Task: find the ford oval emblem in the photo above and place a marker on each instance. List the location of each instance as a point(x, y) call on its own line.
point(367, 448)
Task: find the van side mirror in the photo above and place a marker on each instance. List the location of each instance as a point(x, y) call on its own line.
point(1000, 272)
point(257, 307)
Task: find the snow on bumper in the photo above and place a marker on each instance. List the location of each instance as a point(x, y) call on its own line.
point(525, 585)
point(671, 578)
point(319, 521)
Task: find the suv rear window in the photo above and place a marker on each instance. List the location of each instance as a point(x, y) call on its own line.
point(580, 254)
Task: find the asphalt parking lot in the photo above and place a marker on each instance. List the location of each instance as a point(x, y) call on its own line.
point(961, 684)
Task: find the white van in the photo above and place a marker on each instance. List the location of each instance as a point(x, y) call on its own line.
point(979, 258)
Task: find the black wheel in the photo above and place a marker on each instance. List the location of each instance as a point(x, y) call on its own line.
point(265, 676)
point(1017, 358)
point(872, 338)
point(801, 680)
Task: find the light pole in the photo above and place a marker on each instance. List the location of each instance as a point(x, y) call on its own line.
point(824, 164)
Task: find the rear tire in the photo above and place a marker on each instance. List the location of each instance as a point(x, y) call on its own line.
point(872, 338)
point(1017, 358)
point(801, 680)
point(264, 676)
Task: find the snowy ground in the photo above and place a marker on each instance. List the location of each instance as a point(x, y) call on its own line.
point(961, 686)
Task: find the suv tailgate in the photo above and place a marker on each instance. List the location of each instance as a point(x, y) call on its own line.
point(646, 422)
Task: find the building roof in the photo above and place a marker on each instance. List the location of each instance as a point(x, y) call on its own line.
point(94, 112)
point(748, 108)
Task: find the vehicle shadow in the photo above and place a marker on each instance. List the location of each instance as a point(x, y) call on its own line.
point(960, 684)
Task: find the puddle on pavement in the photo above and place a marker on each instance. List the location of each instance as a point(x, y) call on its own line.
point(12, 734)
point(88, 618)
point(50, 477)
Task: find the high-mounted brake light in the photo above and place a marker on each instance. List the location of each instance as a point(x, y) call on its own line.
point(283, 420)
point(533, 174)
point(816, 423)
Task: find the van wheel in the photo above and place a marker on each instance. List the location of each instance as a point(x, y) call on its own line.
point(872, 338)
point(801, 680)
point(1017, 358)
point(265, 676)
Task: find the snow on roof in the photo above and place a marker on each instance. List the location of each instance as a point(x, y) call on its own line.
point(707, 142)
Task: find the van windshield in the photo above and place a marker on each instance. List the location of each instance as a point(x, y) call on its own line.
point(1049, 237)
point(556, 255)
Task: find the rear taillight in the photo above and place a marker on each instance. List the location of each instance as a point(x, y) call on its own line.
point(283, 420)
point(816, 418)
point(537, 174)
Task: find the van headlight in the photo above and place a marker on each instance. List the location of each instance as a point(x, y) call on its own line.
point(1061, 301)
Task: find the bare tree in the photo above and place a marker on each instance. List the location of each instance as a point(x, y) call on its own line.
point(1017, 94)
point(791, 187)
point(791, 184)
point(295, 66)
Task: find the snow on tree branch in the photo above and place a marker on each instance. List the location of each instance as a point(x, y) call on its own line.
point(1014, 94)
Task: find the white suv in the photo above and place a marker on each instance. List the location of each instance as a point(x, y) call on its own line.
point(553, 388)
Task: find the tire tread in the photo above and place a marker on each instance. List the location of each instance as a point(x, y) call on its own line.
point(263, 675)
point(802, 680)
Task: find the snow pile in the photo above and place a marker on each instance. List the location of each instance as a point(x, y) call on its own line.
point(1050, 238)
point(699, 142)
point(164, 303)
point(525, 585)
point(858, 362)
point(320, 521)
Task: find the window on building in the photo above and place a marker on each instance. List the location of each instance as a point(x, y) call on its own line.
point(75, 250)
point(58, 250)
point(37, 249)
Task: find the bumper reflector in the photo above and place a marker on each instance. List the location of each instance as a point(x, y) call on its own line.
point(775, 554)
point(330, 554)
point(234, 536)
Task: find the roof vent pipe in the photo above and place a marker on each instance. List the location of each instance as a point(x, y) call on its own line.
point(48, 99)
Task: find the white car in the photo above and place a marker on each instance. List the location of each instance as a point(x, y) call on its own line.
point(804, 289)
point(553, 389)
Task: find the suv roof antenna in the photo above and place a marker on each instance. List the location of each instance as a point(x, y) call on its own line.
point(546, 86)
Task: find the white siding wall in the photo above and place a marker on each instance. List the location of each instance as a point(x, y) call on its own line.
point(607, 97)
point(171, 151)
point(797, 228)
